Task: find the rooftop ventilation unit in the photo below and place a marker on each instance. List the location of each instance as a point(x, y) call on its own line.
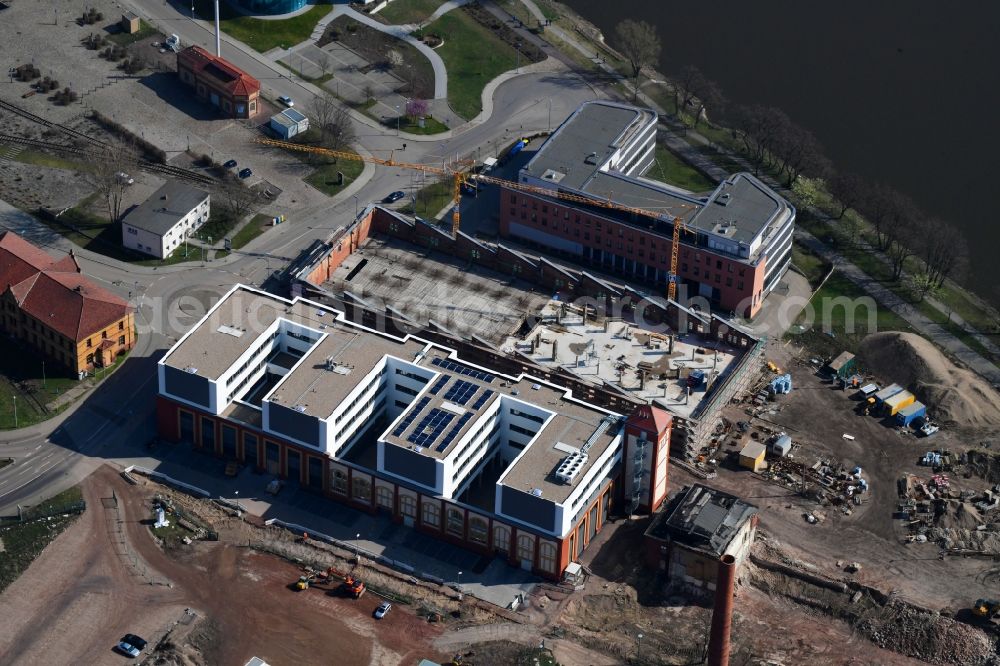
point(591, 159)
point(570, 467)
point(723, 199)
point(537, 492)
point(553, 176)
point(300, 409)
point(191, 370)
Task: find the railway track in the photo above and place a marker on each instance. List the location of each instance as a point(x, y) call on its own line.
point(93, 143)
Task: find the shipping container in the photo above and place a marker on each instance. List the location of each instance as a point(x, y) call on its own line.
point(782, 445)
point(887, 392)
point(911, 413)
point(897, 401)
point(752, 456)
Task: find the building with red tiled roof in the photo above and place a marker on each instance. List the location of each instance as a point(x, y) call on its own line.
point(52, 307)
point(222, 84)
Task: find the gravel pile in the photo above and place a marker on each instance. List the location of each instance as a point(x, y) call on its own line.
point(929, 636)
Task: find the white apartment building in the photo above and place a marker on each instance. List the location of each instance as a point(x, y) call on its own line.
point(161, 223)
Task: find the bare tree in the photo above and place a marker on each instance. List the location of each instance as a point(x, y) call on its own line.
point(688, 80)
point(323, 61)
point(758, 127)
point(238, 200)
point(330, 117)
point(902, 222)
point(944, 251)
point(110, 173)
point(709, 97)
point(797, 150)
point(848, 189)
point(640, 44)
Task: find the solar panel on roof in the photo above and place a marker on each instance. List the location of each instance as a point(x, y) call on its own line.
point(461, 391)
point(453, 433)
point(430, 427)
point(481, 400)
point(464, 370)
point(439, 384)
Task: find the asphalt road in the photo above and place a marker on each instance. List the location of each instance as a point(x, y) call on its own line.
point(116, 420)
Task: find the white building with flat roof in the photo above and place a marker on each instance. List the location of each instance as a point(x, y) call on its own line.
point(496, 463)
point(161, 223)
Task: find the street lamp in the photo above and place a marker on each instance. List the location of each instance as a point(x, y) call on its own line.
point(459, 581)
point(238, 510)
point(15, 411)
point(357, 547)
point(355, 206)
point(397, 120)
point(638, 645)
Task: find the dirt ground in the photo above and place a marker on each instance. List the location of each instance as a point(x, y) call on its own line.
point(817, 415)
point(81, 596)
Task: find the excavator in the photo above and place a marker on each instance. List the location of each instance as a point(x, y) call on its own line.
point(987, 609)
point(311, 578)
point(353, 587)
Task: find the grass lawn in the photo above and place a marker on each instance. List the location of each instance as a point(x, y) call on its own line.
point(430, 199)
point(263, 35)
point(23, 542)
point(257, 225)
point(399, 12)
point(474, 56)
point(671, 169)
point(38, 158)
point(324, 177)
point(431, 125)
point(812, 266)
point(124, 38)
point(829, 332)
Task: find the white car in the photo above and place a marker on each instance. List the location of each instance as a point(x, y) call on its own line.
point(287, 101)
point(382, 610)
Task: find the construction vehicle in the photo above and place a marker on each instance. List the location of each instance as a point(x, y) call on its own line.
point(773, 367)
point(354, 587)
point(460, 176)
point(987, 609)
point(310, 578)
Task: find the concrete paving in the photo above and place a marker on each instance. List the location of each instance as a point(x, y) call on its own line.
point(372, 536)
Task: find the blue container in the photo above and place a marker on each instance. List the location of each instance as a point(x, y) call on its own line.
point(911, 413)
point(269, 7)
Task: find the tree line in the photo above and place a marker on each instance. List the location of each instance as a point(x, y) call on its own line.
point(771, 141)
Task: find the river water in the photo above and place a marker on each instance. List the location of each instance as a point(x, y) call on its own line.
point(902, 92)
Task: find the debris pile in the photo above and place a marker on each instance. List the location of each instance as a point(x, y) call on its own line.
point(963, 522)
point(826, 483)
point(925, 635)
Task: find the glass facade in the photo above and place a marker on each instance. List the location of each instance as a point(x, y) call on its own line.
point(270, 6)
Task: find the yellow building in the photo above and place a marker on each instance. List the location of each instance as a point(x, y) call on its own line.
point(752, 456)
point(53, 308)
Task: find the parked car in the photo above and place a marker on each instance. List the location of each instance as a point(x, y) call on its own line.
point(395, 196)
point(134, 641)
point(246, 173)
point(287, 101)
point(382, 610)
point(230, 164)
point(128, 649)
point(124, 178)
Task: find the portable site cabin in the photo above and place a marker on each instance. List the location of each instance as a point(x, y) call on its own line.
point(897, 401)
point(867, 391)
point(911, 413)
point(887, 392)
point(844, 365)
point(289, 123)
point(782, 445)
point(752, 456)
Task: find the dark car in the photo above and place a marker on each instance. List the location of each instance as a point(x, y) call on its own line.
point(230, 164)
point(395, 196)
point(134, 641)
point(246, 173)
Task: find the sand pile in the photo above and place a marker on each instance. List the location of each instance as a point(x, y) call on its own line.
point(953, 396)
point(960, 515)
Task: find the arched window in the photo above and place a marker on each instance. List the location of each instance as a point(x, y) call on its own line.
point(501, 538)
point(431, 514)
point(362, 489)
point(526, 548)
point(456, 521)
point(547, 557)
point(407, 506)
point(478, 530)
point(383, 496)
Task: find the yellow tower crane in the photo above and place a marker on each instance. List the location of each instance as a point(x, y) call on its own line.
point(460, 176)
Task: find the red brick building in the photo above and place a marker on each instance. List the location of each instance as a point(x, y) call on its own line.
point(234, 92)
point(737, 239)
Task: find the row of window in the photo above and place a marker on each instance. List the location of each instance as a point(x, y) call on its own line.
point(264, 346)
point(376, 381)
point(354, 425)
